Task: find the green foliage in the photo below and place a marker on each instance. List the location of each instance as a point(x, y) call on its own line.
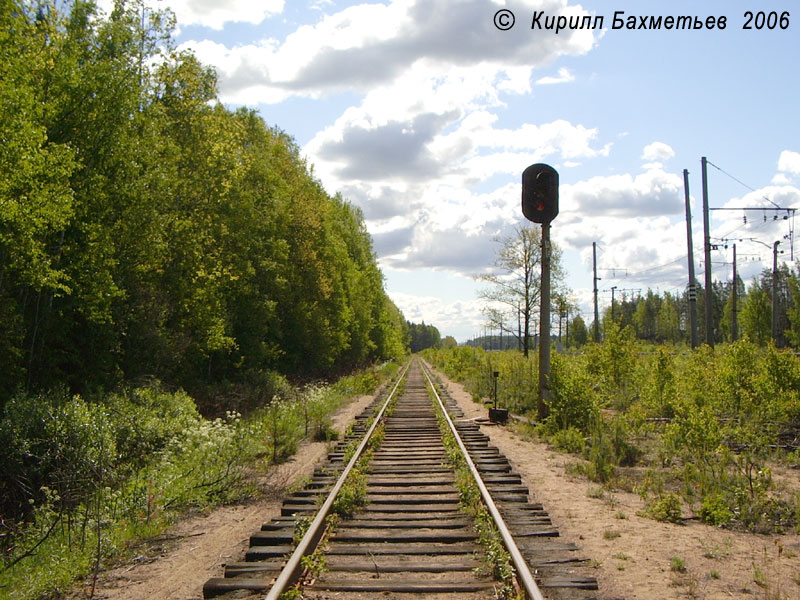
point(707, 421)
point(147, 231)
point(677, 564)
point(658, 392)
point(516, 384)
point(573, 401)
point(613, 364)
point(666, 507)
point(715, 510)
point(55, 443)
point(352, 495)
point(423, 336)
point(84, 475)
point(569, 440)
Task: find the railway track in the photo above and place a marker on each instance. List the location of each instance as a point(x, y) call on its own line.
point(411, 537)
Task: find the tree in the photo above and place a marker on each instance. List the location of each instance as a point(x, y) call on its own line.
point(514, 295)
point(756, 314)
point(668, 321)
point(578, 334)
point(423, 336)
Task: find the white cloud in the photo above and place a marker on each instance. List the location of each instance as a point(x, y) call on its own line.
point(364, 46)
point(781, 179)
point(564, 76)
point(650, 194)
point(462, 319)
point(216, 13)
point(789, 162)
point(658, 152)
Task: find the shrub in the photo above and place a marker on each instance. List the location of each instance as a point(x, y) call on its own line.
point(145, 420)
point(715, 511)
point(658, 391)
point(55, 442)
point(569, 440)
point(666, 507)
point(573, 401)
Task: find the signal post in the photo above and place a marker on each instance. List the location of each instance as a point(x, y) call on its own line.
point(540, 205)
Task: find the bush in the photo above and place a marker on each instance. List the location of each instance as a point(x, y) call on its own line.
point(145, 420)
point(573, 401)
point(54, 442)
point(568, 440)
point(666, 507)
point(715, 510)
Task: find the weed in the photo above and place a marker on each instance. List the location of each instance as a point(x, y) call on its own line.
point(301, 525)
point(677, 564)
point(611, 535)
point(714, 551)
point(598, 493)
point(352, 495)
point(495, 556)
point(315, 563)
point(569, 440)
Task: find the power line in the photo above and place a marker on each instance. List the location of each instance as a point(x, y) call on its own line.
point(740, 182)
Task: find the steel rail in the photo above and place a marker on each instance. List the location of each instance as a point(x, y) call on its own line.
point(524, 575)
point(293, 569)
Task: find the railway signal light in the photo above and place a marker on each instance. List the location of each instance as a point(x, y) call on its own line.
point(540, 193)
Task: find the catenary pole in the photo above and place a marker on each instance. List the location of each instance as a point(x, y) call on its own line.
point(692, 280)
point(596, 312)
point(775, 292)
point(707, 243)
point(734, 301)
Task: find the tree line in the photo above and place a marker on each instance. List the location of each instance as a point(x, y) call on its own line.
point(148, 231)
point(665, 317)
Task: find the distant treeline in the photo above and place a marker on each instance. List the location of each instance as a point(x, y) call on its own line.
point(146, 231)
point(665, 317)
point(421, 336)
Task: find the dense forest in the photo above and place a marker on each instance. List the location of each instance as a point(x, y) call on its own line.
point(167, 267)
point(147, 231)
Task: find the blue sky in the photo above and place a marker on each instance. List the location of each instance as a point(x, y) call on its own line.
point(424, 114)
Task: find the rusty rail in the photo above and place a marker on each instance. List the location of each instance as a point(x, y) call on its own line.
point(293, 569)
point(523, 573)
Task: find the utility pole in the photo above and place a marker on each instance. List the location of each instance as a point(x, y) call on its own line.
point(734, 299)
point(775, 293)
point(692, 281)
point(707, 236)
point(613, 289)
point(596, 312)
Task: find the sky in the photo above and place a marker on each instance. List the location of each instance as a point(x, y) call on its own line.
point(424, 114)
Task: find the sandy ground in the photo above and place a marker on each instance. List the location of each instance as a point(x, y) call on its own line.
point(176, 565)
point(632, 555)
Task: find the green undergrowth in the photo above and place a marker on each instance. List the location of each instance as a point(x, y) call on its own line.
point(695, 433)
point(84, 481)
